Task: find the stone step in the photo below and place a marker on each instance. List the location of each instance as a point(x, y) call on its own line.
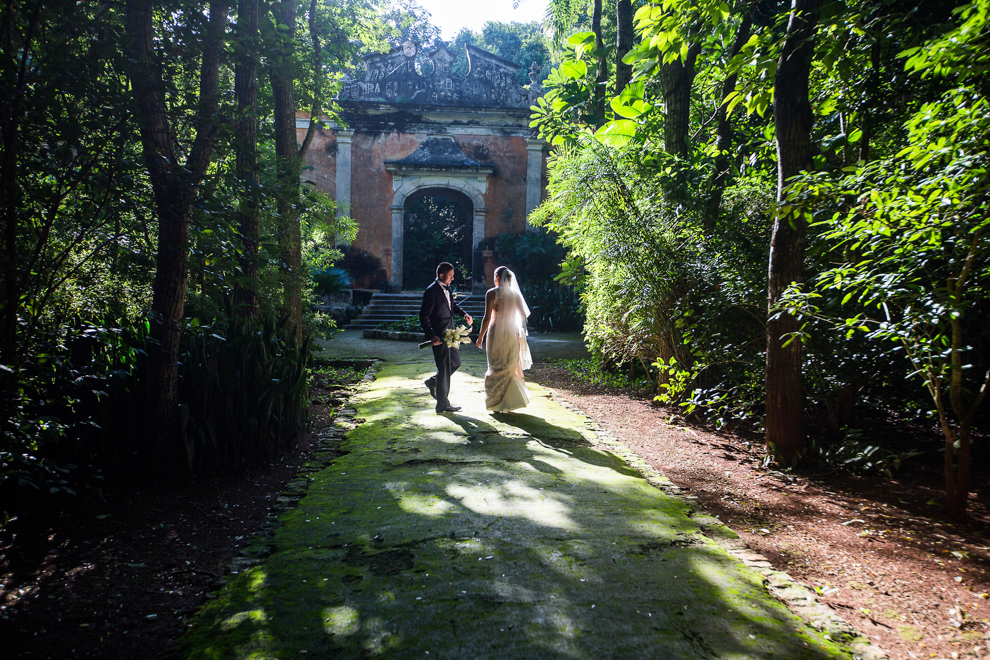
point(388, 307)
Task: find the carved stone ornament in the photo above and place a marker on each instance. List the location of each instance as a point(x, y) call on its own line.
point(491, 81)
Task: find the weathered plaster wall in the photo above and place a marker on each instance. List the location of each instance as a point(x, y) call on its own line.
point(506, 195)
point(322, 157)
point(495, 138)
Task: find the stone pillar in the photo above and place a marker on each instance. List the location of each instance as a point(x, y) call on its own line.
point(534, 177)
point(344, 139)
point(396, 279)
point(478, 263)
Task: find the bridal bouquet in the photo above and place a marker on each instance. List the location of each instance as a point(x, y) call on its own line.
point(453, 337)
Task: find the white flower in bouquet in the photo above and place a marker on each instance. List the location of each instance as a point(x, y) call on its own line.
point(453, 337)
point(456, 336)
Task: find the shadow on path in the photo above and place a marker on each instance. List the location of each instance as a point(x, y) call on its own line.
point(491, 536)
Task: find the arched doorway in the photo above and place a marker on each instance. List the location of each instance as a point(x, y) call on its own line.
point(437, 225)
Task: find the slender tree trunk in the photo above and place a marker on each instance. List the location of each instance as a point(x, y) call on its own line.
point(289, 153)
point(724, 134)
point(246, 126)
point(10, 113)
point(287, 156)
point(793, 119)
point(597, 117)
point(175, 188)
point(676, 80)
point(870, 109)
point(623, 43)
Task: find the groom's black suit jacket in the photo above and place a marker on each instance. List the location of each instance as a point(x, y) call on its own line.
point(435, 315)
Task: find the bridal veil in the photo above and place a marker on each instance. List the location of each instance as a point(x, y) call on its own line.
point(507, 348)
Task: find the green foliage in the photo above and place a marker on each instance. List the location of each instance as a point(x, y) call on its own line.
point(853, 453)
point(436, 229)
point(907, 238)
point(243, 393)
point(534, 256)
point(553, 307)
point(77, 411)
point(655, 288)
point(408, 324)
point(329, 281)
point(568, 102)
point(69, 404)
point(73, 209)
point(597, 371)
point(321, 227)
point(522, 43)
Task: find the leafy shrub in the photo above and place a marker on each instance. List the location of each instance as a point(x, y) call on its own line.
point(243, 393)
point(69, 403)
point(595, 370)
point(854, 453)
point(534, 256)
point(656, 287)
point(554, 307)
point(408, 324)
point(365, 269)
point(331, 280)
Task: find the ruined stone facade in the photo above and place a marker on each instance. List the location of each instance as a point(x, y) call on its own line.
point(405, 131)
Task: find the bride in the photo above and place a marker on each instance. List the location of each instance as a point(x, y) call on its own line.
point(508, 353)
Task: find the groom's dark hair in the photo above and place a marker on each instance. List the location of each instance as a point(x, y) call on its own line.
point(444, 267)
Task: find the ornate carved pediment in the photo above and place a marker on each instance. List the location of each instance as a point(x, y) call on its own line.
point(392, 78)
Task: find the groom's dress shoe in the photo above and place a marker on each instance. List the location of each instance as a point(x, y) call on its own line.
point(431, 385)
point(447, 409)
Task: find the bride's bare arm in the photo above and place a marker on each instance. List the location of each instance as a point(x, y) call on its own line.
point(489, 315)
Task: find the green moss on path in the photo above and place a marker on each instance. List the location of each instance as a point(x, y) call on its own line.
point(480, 536)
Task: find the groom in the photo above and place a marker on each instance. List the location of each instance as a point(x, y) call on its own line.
point(436, 315)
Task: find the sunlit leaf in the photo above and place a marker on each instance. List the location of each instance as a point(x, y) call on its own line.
point(617, 133)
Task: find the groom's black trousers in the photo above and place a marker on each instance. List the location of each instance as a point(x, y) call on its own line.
point(448, 360)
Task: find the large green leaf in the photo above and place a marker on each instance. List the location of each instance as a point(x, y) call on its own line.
point(579, 38)
point(631, 103)
point(617, 133)
point(574, 69)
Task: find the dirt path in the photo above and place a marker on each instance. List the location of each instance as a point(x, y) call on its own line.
point(510, 536)
point(876, 549)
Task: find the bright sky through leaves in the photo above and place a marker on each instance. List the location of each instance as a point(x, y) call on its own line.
point(452, 15)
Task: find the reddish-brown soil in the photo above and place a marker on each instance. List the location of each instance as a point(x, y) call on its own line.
point(877, 549)
point(118, 577)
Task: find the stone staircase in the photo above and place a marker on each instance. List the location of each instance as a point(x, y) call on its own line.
point(385, 307)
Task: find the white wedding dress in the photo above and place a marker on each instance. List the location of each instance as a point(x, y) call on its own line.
point(508, 352)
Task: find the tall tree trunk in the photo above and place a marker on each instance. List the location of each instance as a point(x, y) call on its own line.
point(724, 134)
point(246, 126)
point(597, 117)
point(871, 99)
point(623, 43)
point(676, 81)
point(289, 153)
point(793, 119)
point(175, 188)
point(10, 114)
point(287, 157)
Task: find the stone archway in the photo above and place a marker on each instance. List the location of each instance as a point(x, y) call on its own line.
point(406, 129)
point(411, 175)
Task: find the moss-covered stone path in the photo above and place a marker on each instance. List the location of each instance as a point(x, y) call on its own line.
point(479, 536)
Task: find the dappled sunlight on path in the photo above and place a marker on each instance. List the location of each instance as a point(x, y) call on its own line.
point(491, 536)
